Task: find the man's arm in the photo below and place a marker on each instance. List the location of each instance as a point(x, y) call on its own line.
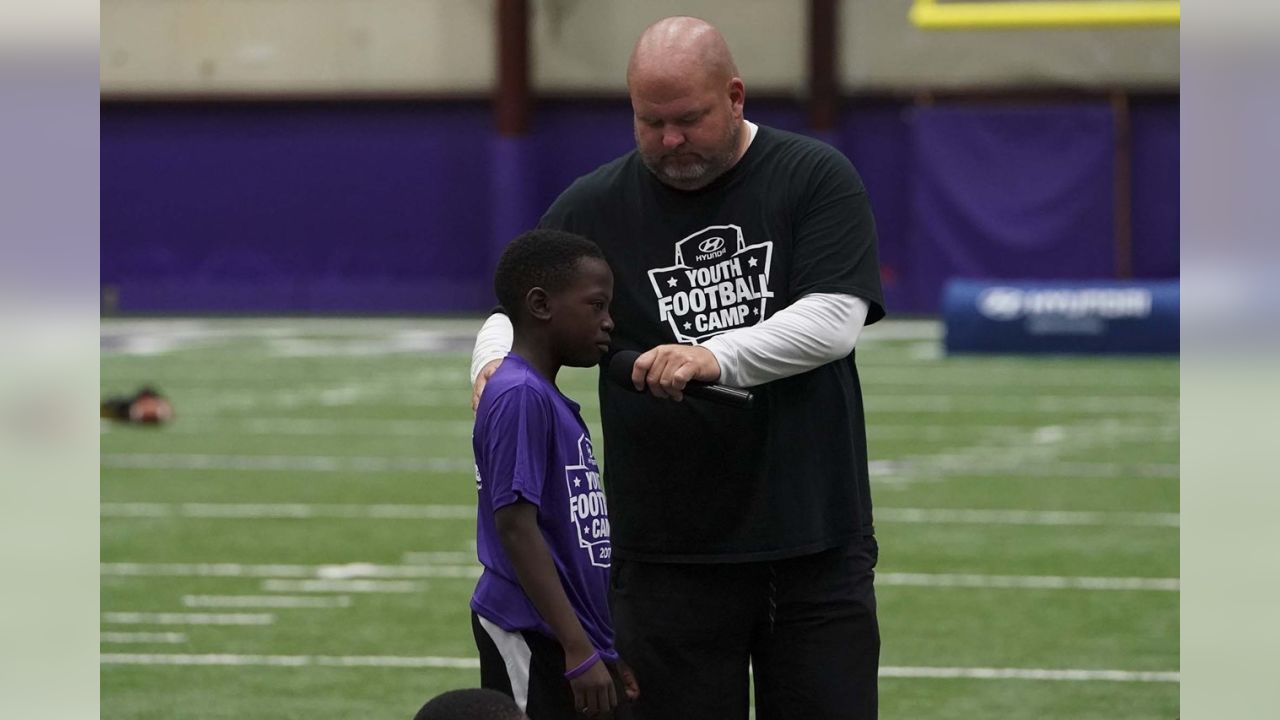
point(493, 342)
point(518, 531)
point(809, 333)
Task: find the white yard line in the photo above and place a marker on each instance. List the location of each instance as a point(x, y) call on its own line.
point(350, 571)
point(288, 463)
point(981, 673)
point(444, 558)
point(291, 660)
point(368, 577)
point(1112, 433)
point(1025, 517)
point(393, 661)
point(142, 637)
point(316, 427)
point(158, 618)
point(347, 586)
point(264, 601)
point(914, 467)
point(1029, 403)
point(303, 511)
point(1027, 582)
point(298, 511)
point(1119, 432)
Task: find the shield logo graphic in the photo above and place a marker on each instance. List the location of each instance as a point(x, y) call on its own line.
point(588, 510)
point(718, 283)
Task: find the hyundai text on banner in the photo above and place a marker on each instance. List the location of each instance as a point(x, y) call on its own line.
point(1061, 317)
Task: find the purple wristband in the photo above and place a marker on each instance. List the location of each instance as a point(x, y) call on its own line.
point(592, 659)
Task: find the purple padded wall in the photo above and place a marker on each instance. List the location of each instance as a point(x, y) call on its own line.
point(402, 207)
point(292, 208)
point(1155, 129)
point(1002, 192)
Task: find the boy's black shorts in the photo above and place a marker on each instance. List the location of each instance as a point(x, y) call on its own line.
point(804, 627)
point(529, 666)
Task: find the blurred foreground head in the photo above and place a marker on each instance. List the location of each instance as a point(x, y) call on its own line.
point(470, 704)
point(147, 406)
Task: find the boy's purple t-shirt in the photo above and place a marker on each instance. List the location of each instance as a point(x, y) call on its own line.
point(531, 445)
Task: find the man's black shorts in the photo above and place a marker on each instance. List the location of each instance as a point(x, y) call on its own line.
point(804, 627)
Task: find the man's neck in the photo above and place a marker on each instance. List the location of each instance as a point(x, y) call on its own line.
point(745, 136)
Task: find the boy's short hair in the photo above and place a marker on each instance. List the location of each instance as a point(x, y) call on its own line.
point(538, 258)
point(470, 704)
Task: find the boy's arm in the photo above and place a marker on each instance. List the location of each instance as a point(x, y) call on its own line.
point(517, 525)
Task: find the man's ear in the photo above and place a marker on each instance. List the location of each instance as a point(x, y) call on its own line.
point(737, 96)
point(538, 303)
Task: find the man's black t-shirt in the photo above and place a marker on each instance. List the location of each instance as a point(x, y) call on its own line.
point(695, 481)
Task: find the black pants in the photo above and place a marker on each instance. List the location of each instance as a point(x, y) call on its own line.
point(806, 627)
point(529, 666)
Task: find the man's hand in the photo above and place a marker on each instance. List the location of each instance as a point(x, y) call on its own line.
point(629, 684)
point(482, 379)
point(593, 691)
point(666, 369)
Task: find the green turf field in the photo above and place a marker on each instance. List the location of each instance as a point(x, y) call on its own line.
point(298, 542)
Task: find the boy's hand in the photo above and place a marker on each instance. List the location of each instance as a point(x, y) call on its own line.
point(593, 691)
point(482, 379)
point(629, 684)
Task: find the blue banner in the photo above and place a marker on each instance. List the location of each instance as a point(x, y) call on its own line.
point(1076, 317)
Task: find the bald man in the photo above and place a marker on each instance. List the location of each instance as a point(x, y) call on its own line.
point(747, 256)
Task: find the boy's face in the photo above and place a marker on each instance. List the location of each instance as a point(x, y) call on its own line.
point(580, 322)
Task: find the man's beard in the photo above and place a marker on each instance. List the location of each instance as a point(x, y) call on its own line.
point(699, 174)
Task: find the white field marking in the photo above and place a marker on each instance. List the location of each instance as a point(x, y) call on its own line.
point(264, 601)
point(966, 464)
point(354, 577)
point(369, 396)
point(437, 557)
point(1027, 582)
point(890, 330)
point(298, 511)
point(344, 586)
point(334, 572)
point(291, 463)
point(314, 427)
point(219, 379)
point(1026, 517)
point(467, 512)
point(876, 404)
point(348, 571)
point(980, 673)
point(142, 637)
point(935, 466)
point(1029, 403)
point(291, 338)
point(370, 427)
point(886, 379)
point(150, 618)
point(290, 511)
point(386, 661)
point(1112, 435)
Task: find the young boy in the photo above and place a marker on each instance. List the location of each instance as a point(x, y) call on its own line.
point(540, 610)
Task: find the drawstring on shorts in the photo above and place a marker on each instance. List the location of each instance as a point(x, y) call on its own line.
point(773, 596)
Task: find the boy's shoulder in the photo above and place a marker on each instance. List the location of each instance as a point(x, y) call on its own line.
point(516, 382)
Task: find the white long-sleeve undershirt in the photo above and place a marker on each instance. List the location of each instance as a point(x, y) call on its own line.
point(813, 331)
point(493, 342)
